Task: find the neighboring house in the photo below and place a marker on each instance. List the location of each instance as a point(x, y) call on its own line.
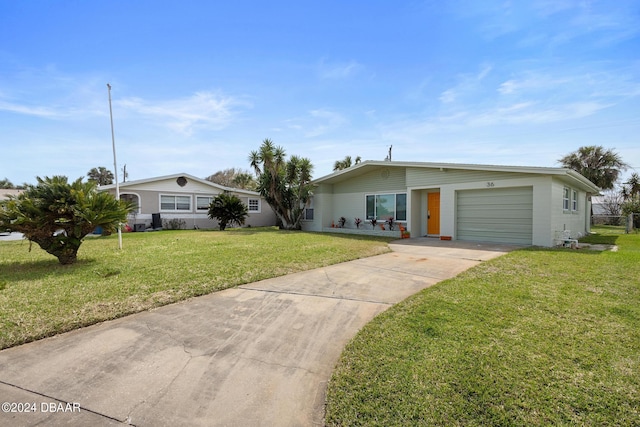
point(6, 192)
point(597, 206)
point(506, 204)
point(184, 198)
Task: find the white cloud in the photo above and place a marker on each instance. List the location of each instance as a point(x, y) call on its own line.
point(448, 96)
point(468, 84)
point(324, 121)
point(532, 113)
point(534, 82)
point(316, 123)
point(201, 110)
point(338, 71)
point(37, 111)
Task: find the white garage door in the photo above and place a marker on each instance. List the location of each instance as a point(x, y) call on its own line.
point(495, 215)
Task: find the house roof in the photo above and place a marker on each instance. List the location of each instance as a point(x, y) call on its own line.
point(127, 184)
point(367, 166)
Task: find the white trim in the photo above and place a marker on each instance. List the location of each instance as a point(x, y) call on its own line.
point(571, 176)
point(178, 175)
point(124, 193)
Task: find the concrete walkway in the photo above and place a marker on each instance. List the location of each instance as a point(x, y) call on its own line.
point(257, 355)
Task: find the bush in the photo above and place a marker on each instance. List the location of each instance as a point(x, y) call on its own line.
point(174, 224)
point(57, 214)
point(228, 210)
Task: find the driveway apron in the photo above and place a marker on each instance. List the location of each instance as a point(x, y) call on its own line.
point(257, 355)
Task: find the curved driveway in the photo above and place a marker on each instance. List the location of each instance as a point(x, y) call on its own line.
point(259, 354)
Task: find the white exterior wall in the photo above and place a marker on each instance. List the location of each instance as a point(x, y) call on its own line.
point(346, 197)
point(575, 221)
point(149, 195)
point(541, 216)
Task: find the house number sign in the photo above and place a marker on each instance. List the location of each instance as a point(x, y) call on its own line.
point(490, 184)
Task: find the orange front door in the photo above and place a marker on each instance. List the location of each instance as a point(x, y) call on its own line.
point(433, 213)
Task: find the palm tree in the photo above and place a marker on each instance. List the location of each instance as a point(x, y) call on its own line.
point(345, 163)
point(600, 166)
point(57, 214)
point(5, 183)
point(631, 187)
point(285, 185)
point(228, 209)
point(100, 175)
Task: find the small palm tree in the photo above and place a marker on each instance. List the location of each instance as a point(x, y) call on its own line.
point(632, 187)
point(57, 214)
point(244, 180)
point(5, 183)
point(345, 163)
point(228, 210)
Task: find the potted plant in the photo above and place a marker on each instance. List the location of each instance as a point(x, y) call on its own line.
point(342, 221)
point(373, 223)
point(390, 222)
point(357, 222)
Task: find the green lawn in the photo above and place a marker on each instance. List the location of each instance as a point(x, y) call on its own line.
point(39, 297)
point(537, 337)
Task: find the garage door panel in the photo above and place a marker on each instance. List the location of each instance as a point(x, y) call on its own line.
point(495, 215)
point(495, 199)
point(497, 212)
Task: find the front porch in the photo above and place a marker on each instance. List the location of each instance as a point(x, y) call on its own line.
point(364, 231)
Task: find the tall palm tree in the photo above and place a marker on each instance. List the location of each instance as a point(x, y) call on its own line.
point(285, 185)
point(600, 166)
point(101, 175)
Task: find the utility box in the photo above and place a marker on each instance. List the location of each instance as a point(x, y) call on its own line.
point(156, 221)
point(139, 227)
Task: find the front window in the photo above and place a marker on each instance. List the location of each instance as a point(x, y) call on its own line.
point(574, 201)
point(133, 199)
point(203, 202)
point(383, 206)
point(401, 207)
point(254, 205)
point(308, 214)
point(175, 203)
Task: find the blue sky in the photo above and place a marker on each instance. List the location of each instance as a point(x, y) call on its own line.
point(197, 85)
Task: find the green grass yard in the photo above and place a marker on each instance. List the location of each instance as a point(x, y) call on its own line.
point(537, 337)
point(39, 297)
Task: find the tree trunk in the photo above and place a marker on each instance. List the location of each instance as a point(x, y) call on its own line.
point(62, 247)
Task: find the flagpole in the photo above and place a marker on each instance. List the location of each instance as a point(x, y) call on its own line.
point(115, 166)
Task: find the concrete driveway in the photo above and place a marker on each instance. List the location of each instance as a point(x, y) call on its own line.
point(260, 354)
